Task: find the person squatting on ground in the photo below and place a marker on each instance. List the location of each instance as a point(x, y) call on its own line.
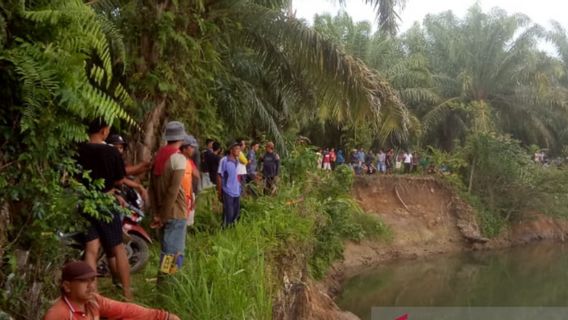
point(168, 199)
point(229, 186)
point(79, 300)
point(270, 168)
point(105, 162)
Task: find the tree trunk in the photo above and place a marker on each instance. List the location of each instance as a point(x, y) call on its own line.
point(4, 223)
point(471, 173)
point(151, 134)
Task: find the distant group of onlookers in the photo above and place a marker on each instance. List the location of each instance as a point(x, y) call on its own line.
point(369, 162)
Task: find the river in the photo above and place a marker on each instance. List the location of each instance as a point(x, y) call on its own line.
point(535, 275)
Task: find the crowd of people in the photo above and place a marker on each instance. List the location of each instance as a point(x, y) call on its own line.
point(371, 162)
point(177, 172)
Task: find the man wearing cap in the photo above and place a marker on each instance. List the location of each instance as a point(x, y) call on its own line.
point(188, 148)
point(228, 185)
point(131, 170)
point(168, 199)
point(79, 300)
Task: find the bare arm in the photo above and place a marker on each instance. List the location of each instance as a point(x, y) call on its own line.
point(219, 187)
point(137, 169)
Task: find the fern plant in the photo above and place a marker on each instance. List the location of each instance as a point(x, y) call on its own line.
point(56, 72)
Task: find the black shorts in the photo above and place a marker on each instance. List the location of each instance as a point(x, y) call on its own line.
point(109, 233)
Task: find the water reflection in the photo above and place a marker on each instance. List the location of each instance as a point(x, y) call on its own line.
point(535, 275)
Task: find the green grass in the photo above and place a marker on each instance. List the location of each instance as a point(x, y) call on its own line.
point(234, 273)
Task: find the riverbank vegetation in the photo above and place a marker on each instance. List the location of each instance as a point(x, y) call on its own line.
point(237, 273)
point(473, 94)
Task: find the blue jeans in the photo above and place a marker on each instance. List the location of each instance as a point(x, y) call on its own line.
point(173, 245)
point(231, 209)
point(381, 166)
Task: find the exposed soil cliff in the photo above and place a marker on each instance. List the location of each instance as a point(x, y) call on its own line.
point(426, 218)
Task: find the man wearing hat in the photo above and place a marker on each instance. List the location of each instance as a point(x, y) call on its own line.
point(228, 185)
point(188, 149)
point(131, 170)
point(79, 300)
point(168, 198)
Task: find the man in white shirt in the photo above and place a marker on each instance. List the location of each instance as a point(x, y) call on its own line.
point(407, 161)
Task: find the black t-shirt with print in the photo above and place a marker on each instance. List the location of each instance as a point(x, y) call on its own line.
point(104, 162)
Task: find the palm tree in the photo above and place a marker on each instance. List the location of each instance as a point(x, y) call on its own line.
point(258, 67)
point(491, 75)
point(408, 73)
point(386, 10)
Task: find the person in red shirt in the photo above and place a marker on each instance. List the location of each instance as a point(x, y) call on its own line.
point(326, 160)
point(80, 301)
point(333, 158)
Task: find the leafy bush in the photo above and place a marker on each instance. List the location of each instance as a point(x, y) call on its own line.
point(504, 183)
point(55, 73)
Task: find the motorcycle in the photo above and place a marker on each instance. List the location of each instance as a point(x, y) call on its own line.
point(136, 240)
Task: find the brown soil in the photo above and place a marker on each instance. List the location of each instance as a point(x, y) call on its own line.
point(426, 217)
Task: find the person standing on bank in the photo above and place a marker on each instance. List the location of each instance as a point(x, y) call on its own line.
point(270, 168)
point(188, 149)
point(407, 160)
point(105, 162)
point(213, 159)
point(229, 186)
point(251, 158)
point(168, 199)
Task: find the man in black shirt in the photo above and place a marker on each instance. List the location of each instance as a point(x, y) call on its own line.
point(212, 158)
point(270, 168)
point(105, 162)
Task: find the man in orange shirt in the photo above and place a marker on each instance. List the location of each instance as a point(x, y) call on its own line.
point(188, 148)
point(80, 301)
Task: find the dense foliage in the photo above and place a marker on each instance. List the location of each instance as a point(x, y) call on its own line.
point(483, 72)
point(226, 68)
point(478, 88)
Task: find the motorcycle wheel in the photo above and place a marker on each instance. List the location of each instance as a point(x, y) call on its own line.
point(138, 252)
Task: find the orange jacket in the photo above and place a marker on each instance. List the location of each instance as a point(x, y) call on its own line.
point(103, 307)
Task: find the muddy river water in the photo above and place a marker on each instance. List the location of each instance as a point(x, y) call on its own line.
point(529, 276)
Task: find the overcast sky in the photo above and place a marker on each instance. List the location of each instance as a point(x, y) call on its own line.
point(540, 11)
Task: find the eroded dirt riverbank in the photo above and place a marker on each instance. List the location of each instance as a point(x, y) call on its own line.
point(426, 218)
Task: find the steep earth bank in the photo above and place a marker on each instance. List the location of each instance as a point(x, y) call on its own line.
point(426, 218)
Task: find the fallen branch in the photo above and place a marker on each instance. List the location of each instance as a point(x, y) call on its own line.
point(400, 199)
